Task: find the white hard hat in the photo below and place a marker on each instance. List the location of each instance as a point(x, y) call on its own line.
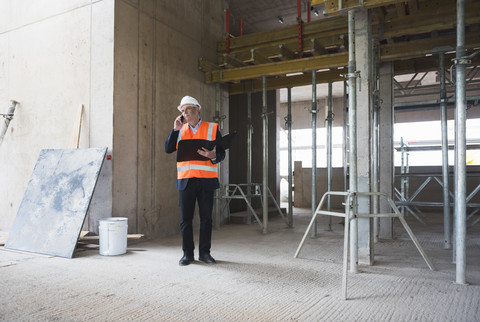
point(188, 100)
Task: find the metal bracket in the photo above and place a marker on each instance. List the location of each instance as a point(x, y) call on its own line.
point(265, 114)
point(288, 120)
point(348, 75)
point(330, 116)
point(462, 61)
point(7, 116)
point(217, 119)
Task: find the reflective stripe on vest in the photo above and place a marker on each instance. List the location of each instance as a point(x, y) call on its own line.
point(210, 131)
point(197, 167)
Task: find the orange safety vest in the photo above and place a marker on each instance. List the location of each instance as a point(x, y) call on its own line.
point(197, 168)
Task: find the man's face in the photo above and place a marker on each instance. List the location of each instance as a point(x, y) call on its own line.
point(190, 113)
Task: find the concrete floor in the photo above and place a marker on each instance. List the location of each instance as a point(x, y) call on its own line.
point(256, 279)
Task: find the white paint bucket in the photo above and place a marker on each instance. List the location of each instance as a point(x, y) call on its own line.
point(113, 235)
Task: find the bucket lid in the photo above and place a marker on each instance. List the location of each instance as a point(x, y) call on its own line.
point(113, 219)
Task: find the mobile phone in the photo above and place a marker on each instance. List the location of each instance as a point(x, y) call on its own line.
point(182, 119)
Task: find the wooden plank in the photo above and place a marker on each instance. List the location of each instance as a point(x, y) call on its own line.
point(314, 29)
point(278, 68)
point(432, 17)
point(77, 128)
point(287, 81)
point(333, 7)
point(421, 47)
point(271, 51)
point(258, 58)
point(206, 66)
point(93, 238)
point(426, 64)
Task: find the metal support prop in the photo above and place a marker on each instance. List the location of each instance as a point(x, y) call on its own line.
point(460, 148)
point(249, 146)
point(218, 213)
point(8, 117)
point(290, 170)
point(265, 154)
point(376, 165)
point(402, 171)
point(345, 137)
point(443, 117)
point(227, 30)
point(314, 148)
point(352, 120)
point(329, 150)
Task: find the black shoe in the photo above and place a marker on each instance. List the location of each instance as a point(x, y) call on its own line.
point(186, 260)
point(207, 259)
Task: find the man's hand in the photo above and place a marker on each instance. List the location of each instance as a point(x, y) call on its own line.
point(177, 124)
point(208, 154)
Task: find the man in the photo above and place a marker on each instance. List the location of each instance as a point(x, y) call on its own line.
point(196, 179)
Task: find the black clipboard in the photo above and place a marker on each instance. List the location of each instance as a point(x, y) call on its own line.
point(187, 149)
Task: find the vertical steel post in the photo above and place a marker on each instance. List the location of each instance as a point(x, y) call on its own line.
point(402, 171)
point(460, 144)
point(352, 116)
point(219, 171)
point(227, 30)
point(290, 170)
point(376, 163)
point(265, 154)
point(443, 117)
point(329, 150)
point(314, 149)
point(249, 148)
point(345, 137)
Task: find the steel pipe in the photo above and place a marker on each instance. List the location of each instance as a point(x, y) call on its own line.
point(290, 170)
point(265, 154)
point(329, 120)
point(249, 146)
point(352, 117)
point(376, 157)
point(314, 149)
point(443, 117)
point(345, 137)
point(460, 145)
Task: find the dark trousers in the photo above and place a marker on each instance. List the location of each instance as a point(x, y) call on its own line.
point(188, 197)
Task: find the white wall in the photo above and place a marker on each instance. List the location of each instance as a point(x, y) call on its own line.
point(54, 56)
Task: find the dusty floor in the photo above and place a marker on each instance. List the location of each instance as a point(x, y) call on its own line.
point(256, 279)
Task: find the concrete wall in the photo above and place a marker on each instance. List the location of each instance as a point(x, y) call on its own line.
point(129, 63)
point(157, 46)
point(55, 55)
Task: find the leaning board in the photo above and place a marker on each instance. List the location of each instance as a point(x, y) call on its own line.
point(54, 206)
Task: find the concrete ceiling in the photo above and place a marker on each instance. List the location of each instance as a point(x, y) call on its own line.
point(262, 15)
point(406, 28)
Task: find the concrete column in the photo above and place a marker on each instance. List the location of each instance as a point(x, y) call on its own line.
point(386, 146)
point(365, 58)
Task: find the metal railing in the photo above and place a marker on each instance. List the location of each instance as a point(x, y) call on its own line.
point(245, 192)
point(350, 214)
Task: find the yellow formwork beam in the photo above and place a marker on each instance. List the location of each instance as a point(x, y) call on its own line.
point(277, 68)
